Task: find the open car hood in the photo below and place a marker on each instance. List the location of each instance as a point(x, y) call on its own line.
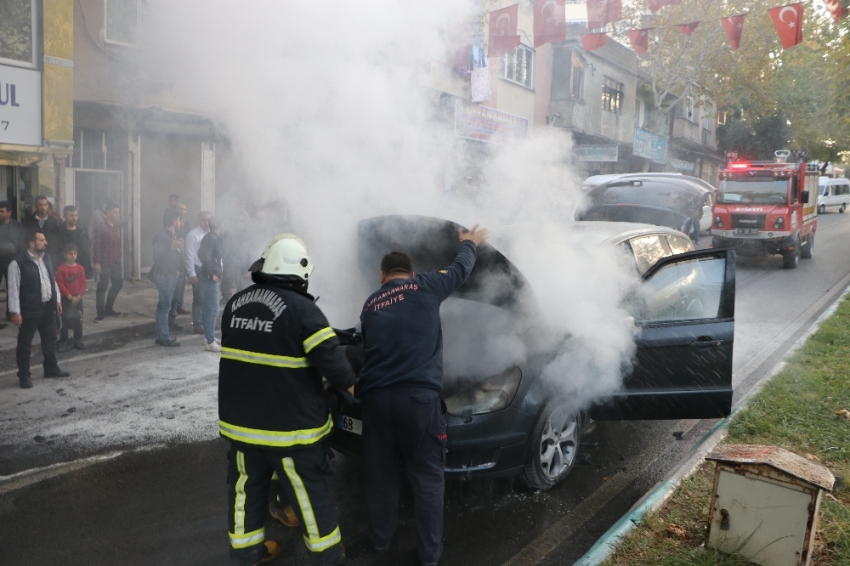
point(644, 214)
point(432, 244)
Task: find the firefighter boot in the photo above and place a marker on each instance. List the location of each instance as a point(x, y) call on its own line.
point(259, 554)
point(284, 514)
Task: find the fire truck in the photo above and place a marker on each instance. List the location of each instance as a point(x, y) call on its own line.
point(765, 208)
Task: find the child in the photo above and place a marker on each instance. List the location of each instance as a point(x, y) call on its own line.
point(71, 279)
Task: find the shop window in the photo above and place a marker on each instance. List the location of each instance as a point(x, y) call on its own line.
point(122, 21)
point(612, 96)
point(96, 149)
point(17, 32)
point(577, 81)
point(518, 67)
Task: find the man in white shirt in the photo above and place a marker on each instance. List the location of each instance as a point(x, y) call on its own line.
point(193, 243)
point(33, 305)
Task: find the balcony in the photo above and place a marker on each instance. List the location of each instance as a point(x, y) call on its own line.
point(692, 133)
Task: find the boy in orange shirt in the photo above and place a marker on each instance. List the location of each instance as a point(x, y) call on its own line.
point(71, 278)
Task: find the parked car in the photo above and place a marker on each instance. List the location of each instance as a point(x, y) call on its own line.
point(507, 421)
point(663, 199)
point(596, 180)
point(833, 193)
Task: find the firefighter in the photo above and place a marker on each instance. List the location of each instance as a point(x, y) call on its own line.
point(276, 345)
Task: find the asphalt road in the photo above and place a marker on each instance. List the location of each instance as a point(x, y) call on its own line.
point(120, 464)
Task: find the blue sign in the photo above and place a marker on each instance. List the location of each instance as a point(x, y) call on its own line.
point(650, 146)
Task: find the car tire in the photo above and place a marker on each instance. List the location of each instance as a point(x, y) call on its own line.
point(808, 249)
point(553, 449)
point(822, 209)
point(843, 208)
point(790, 260)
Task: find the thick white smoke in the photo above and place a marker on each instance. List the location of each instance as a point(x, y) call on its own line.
point(325, 109)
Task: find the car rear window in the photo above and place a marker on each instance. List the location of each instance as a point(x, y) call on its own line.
point(648, 250)
point(679, 244)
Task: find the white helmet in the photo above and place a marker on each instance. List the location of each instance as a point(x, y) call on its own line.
point(287, 255)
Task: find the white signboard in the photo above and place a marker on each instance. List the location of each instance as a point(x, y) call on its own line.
point(20, 106)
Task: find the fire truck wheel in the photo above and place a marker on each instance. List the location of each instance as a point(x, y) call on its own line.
point(790, 260)
point(808, 249)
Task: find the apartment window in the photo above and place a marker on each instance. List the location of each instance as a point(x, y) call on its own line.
point(577, 81)
point(17, 32)
point(122, 21)
point(722, 118)
point(612, 96)
point(518, 67)
point(690, 110)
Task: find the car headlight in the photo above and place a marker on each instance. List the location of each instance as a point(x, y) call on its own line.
point(486, 396)
point(780, 222)
point(718, 222)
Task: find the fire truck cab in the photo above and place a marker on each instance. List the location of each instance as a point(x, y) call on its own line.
point(765, 208)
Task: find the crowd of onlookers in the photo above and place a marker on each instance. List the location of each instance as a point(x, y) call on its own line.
point(46, 262)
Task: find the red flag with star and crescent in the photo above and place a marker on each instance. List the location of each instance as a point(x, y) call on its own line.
point(788, 21)
point(550, 22)
point(639, 39)
point(503, 34)
point(602, 12)
point(591, 41)
point(734, 26)
point(838, 8)
point(655, 5)
point(688, 28)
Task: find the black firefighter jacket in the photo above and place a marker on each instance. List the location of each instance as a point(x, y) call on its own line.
point(276, 345)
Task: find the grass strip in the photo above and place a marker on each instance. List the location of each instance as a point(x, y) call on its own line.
point(797, 410)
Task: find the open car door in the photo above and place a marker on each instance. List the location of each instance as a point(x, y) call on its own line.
point(685, 317)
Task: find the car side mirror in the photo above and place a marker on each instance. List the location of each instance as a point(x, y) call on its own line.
point(804, 198)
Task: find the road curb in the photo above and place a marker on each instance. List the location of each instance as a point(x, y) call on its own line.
point(657, 496)
point(140, 328)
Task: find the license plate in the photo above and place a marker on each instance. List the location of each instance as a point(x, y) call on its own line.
point(746, 230)
point(351, 425)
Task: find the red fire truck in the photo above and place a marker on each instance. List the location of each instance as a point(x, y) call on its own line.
point(765, 208)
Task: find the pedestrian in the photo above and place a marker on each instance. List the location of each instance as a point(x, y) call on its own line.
point(210, 254)
point(42, 220)
point(33, 305)
point(180, 288)
point(400, 384)
point(173, 199)
point(70, 232)
point(106, 261)
point(193, 242)
point(71, 279)
point(167, 266)
point(12, 238)
point(276, 347)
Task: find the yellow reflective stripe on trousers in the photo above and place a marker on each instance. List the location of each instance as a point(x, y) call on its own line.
point(241, 496)
point(303, 499)
point(264, 359)
point(247, 539)
point(275, 438)
point(318, 338)
point(324, 543)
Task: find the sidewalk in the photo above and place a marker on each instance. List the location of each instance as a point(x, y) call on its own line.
point(136, 302)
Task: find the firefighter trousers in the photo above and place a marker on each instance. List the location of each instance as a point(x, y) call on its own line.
point(305, 477)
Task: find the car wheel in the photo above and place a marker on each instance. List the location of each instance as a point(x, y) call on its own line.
point(808, 249)
point(822, 209)
point(554, 446)
point(843, 208)
point(790, 260)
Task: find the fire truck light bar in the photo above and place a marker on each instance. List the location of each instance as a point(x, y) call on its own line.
point(740, 165)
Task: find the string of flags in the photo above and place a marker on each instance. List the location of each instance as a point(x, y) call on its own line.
point(550, 24)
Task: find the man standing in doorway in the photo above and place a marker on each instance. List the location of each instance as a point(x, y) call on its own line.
point(193, 243)
point(180, 289)
point(400, 385)
point(11, 242)
point(71, 233)
point(46, 222)
point(106, 260)
point(33, 305)
point(166, 270)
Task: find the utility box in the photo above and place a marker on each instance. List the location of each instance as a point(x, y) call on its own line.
point(765, 504)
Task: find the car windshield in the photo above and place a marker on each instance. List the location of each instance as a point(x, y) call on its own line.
point(760, 190)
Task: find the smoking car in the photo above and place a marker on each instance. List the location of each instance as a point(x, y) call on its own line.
point(506, 420)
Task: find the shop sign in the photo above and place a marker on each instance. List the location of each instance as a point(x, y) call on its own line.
point(476, 122)
point(649, 146)
point(681, 165)
point(607, 153)
point(20, 106)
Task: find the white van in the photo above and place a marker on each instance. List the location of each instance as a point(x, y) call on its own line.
point(833, 193)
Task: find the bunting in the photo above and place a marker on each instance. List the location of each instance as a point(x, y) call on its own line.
point(734, 26)
point(600, 13)
point(550, 24)
point(655, 5)
point(591, 41)
point(837, 8)
point(503, 31)
point(788, 21)
point(639, 39)
point(688, 28)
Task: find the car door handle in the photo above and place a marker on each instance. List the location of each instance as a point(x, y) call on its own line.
point(706, 342)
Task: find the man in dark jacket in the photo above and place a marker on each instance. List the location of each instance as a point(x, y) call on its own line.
point(210, 254)
point(166, 270)
point(276, 347)
point(400, 385)
point(42, 220)
point(70, 232)
point(11, 241)
point(33, 305)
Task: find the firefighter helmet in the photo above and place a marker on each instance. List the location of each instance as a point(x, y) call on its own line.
point(286, 255)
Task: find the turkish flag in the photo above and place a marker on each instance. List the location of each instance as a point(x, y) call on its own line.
point(550, 22)
point(503, 35)
point(655, 5)
point(734, 26)
point(639, 39)
point(837, 8)
point(688, 29)
point(788, 21)
point(600, 13)
point(591, 41)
